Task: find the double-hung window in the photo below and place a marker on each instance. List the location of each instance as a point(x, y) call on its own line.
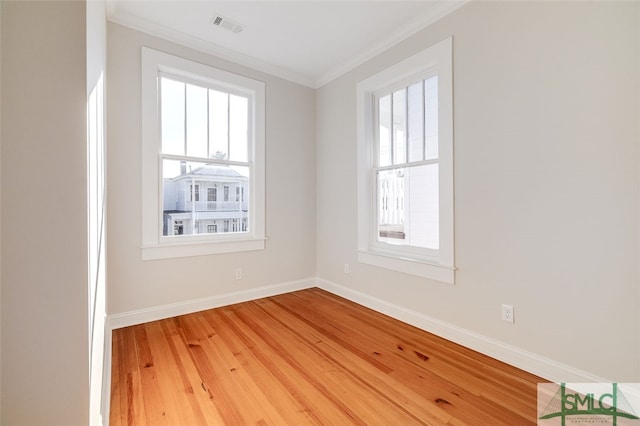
point(405, 166)
point(201, 128)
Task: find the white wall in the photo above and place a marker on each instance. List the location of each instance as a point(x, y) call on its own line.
point(96, 69)
point(546, 176)
point(45, 336)
point(638, 121)
point(290, 190)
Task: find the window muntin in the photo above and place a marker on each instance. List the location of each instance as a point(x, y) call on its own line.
point(197, 129)
point(407, 181)
point(186, 129)
point(194, 192)
point(212, 194)
point(182, 201)
point(405, 166)
point(198, 120)
point(408, 206)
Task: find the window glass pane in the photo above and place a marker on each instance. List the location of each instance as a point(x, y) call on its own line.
point(400, 127)
point(384, 131)
point(423, 215)
point(415, 117)
point(194, 192)
point(238, 127)
point(431, 114)
point(196, 121)
point(186, 210)
point(172, 106)
point(212, 193)
point(408, 209)
point(391, 206)
point(218, 125)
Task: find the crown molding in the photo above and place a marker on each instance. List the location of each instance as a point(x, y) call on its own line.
point(187, 40)
point(440, 10)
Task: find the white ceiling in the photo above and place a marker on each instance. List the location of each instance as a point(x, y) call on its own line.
point(309, 42)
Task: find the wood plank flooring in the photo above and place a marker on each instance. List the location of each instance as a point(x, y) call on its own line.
point(307, 357)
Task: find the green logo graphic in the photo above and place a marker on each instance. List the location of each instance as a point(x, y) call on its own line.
point(567, 403)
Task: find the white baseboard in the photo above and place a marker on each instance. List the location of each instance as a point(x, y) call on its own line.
point(528, 361)
point(140, 316)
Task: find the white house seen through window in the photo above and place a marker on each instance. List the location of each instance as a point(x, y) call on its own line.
point(203, 135)
point(211, 126)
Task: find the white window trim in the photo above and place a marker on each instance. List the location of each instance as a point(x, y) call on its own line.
point(153, 246)
point(436, 59)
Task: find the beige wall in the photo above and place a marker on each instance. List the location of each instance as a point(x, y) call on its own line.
point(290, 190)
point(547, 196)
point(45, 337)
point(546, 181)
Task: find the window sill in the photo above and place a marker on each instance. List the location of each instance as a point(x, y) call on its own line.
point(167, 251)
point(433, 271)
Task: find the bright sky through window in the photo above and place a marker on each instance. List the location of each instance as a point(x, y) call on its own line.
point(202, 122)
point(203, 129)
point(212, 127)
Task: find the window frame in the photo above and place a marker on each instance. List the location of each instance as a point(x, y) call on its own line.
point(212, 194)
point(433, 264)
point(194, 194)
point(154, 245)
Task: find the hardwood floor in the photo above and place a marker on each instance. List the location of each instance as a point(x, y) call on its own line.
point(307, 357)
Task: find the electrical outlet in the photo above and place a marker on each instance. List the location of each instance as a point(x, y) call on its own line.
point(507, 313)
point(347, 268)
point(238, 273)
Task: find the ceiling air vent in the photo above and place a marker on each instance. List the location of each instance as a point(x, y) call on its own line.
point(226, 23)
